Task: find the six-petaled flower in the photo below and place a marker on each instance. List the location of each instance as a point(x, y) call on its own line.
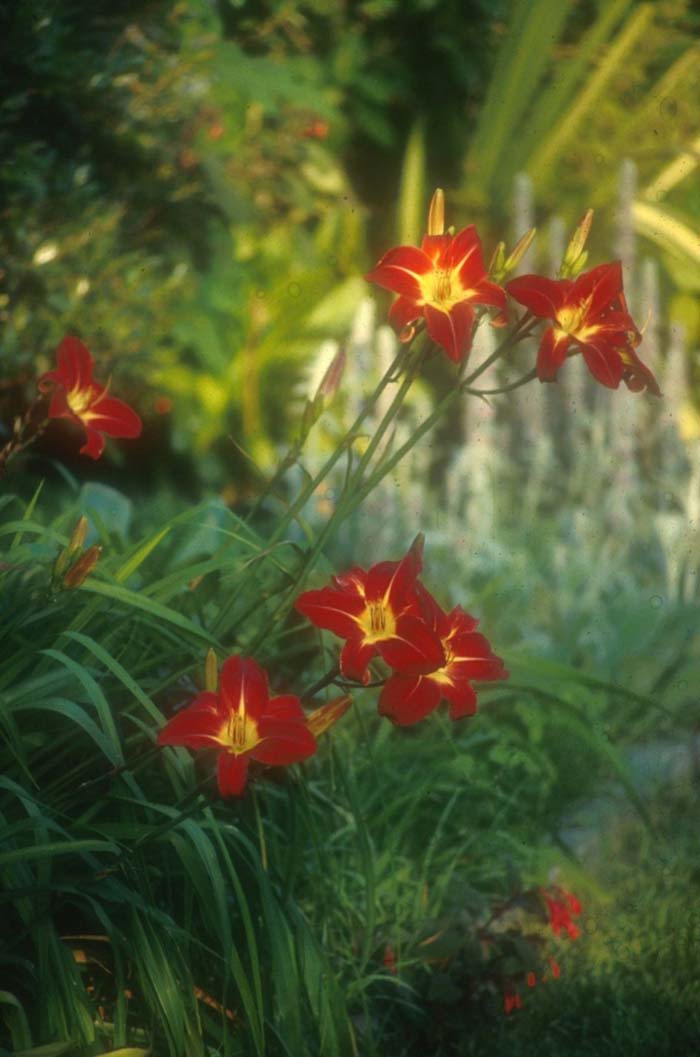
point(376, 611)
point(441, 281)
point(75, 395)
point(242, 722)
point(590, 316)
point(467, 656)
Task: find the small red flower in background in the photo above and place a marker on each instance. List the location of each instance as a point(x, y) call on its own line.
point(554, 966)
point(77, 396)
point(531, 979)
point(589, 315)
point(511, 1001)
point(389, 960)
point(560, 908)
point(242, 722)
point(441, 282)
point(377, 612)
point(407, 697)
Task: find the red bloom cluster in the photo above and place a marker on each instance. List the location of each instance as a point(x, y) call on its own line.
point(75, 395)
point(386, 611)
point(590, 316)
point(560, 907)
point(445, 278)
point(242, 722)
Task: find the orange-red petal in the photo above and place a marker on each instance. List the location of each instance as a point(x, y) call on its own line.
point(243, 681)
point(407, 699)
point(232, 773)
point(197, 727)
point(543, 297)
point(452, 330)
point(400, 271)
point(552, 353)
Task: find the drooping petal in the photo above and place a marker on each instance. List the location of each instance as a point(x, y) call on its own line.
point(243, 683)
point(336, 611)
point(604, 363)
point(552, 353)
point(95, 443)
point(283, 742)
point(198, 726)
point(231, 774)
point(413, 648)
point(354, 658)
point(391, 582)
point(488, 293)
point(400, 271)
point(543, 297)
point(461, 622)
point(637, 375)
point(58, 405)
point(113, 417)
point(462, 698)
point(406, 699)
point(602, 285)
point(402, 312)
point(451, 330)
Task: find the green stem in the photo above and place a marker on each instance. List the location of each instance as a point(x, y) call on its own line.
point(306, 492)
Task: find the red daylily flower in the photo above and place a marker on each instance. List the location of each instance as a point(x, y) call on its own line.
point(590, 316)
point(441, 282)
point(409, 697)
point(242, 722)
point(75, 395)
point(377, 612)
point(560, 908)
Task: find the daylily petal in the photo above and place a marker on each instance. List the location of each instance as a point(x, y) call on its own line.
point(336, 611)
point(113, 417)
point(285, 707)
point(232, 773)
point(462, 698)
point(602, 284)
point(283, 742)
point(243, 683)
point(403, 312)
point(391, 582)
point(354, 658)
point(406, 699)
point(543, 297)
point(400, 270)
point(552, 353)
point(637, 375)
point(488, 293)
point(604, 363)
point(465, 256)
point(414, 647)
point(95, 443)
point(451, 330)
point(58, 405)
point(436, 247)
point(197, 727)
point(74, 364)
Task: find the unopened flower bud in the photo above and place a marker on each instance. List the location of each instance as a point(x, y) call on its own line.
point(519, 250)
point(333, 376)
point(211, 672)
point(321, 719)
point(575, 257)
point(81, 569)
point(77, 540)
point(436, 213)
point(498, 262)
